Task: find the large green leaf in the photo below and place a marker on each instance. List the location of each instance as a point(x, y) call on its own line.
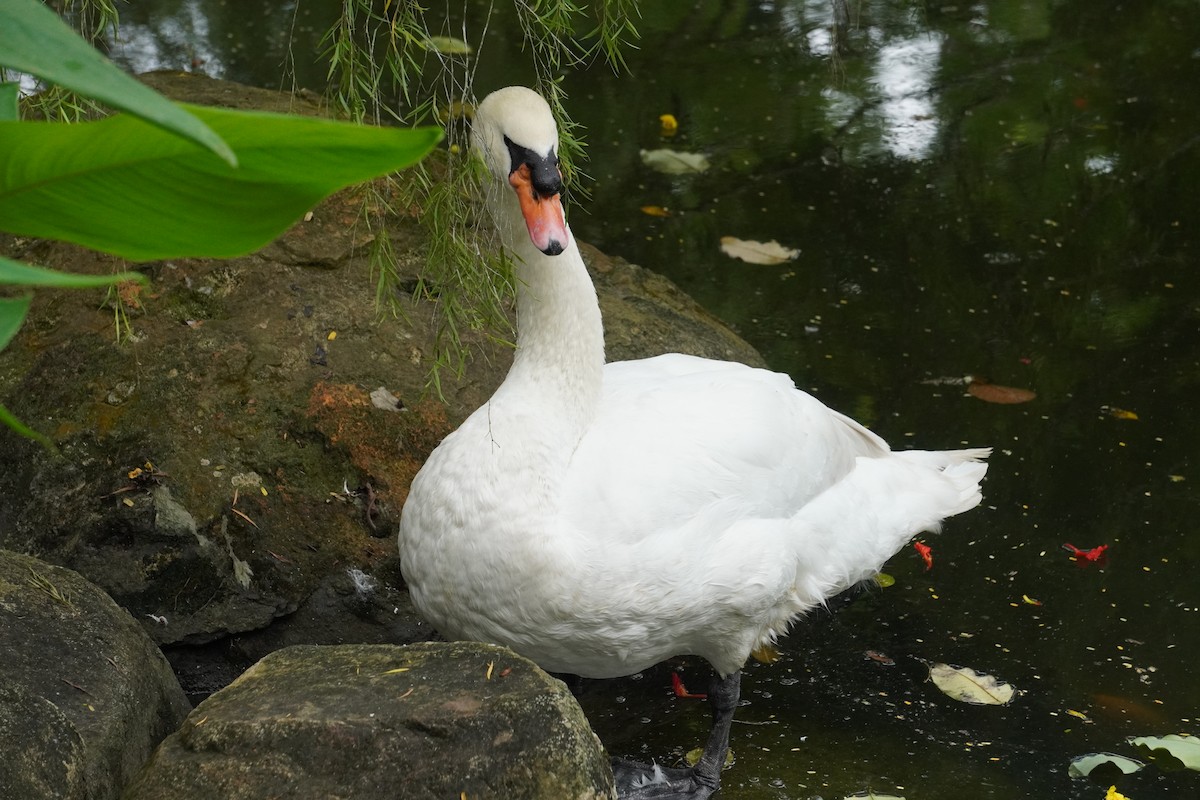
point(12, 314)
point(8, 101)
point(16, 273)
point(34, 40)
point(126, 187)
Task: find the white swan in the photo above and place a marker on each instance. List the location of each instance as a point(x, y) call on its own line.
point(599, 519)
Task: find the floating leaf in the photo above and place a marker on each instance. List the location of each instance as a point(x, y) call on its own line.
point(926, 553)
point(968, 686)
point(1113, 794)
point(1077, 714)
point(670, 125)
point(692, 757)
point(1082, 766)
point(766, 654)
point(674, 162)
point(1030, 601)
point(447, 45)
point(884, 580)
point(771, 252)
point(1121, 413)
point(995, 393)
point(656, 211)
point(1184, 748)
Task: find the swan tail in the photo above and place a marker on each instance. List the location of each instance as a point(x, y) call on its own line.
point(847, 533)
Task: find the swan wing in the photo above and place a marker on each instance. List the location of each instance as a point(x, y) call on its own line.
point(677, 437)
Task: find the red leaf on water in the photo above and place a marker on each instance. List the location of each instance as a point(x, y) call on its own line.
point(995, 393)
point(926, 554)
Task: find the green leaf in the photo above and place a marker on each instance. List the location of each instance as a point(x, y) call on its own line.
point(6, 418)
point(18, 274)
point(1184, 748)
point(9, 110)
point(12, 314)
point(34, 40)
point(128, 188)
point(447, 45)
point(1108, 764)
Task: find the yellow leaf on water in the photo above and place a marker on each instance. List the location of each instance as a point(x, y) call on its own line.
point(1078, 715)
point(884, 580)
point(1121, 413)
point(394, 671)
point(332, 335)
point(1113, 794)
point(674, 162)
point(670, 125)
point(655, 211)
point(968, 686)
point(752, 252)
point(1030, 601)
point(765, 654)
point(447, 45)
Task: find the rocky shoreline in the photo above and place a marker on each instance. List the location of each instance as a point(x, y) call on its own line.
point(231, 476)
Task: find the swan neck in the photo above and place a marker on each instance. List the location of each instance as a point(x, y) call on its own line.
point(560, 336)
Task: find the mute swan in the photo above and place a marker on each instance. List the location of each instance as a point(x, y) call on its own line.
point(600, 518)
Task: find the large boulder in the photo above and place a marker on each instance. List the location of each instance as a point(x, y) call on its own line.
point(371, 722)
point(85, 696)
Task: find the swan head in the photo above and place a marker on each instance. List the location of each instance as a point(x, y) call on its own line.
point(514, 131)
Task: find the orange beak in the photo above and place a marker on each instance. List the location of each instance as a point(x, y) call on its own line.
point(543, 214)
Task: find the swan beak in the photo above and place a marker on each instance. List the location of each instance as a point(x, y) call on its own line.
point(543, 213)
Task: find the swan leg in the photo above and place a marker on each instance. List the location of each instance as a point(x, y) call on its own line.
point(651, 782)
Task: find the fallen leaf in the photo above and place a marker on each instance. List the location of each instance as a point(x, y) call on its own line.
point(1078, 714)
point(995, 393)
point(884, 580)
point(396, 671)
point(1030, 601)
point(655, 211)
point(1184, 748)
point(752, 252)
point(1093, 556)
point(447, 45)
point(766, 654)
point(968, 686)
point(1113, 794)
point(681, 691)
point(670, 125)
point(692, 757)
point(1082, 766)
point(1121, 413)
point(880, 658)
point(674, 162)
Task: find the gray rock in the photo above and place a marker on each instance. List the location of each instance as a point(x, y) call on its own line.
point(379, 721)
point(85, 696)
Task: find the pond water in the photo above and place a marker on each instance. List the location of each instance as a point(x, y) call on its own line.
point(1005, 190)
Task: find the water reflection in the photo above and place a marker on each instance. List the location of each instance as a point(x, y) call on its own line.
point(904, 74)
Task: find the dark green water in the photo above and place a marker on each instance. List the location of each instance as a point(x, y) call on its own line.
point(1005, 189)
